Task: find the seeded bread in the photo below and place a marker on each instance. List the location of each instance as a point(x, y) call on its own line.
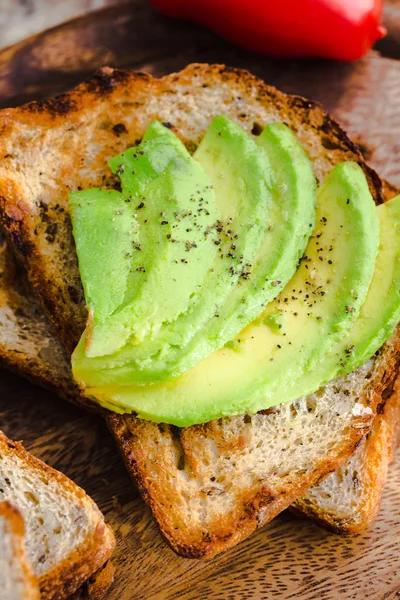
point(17, 580)
point(66, 537)
point(208, 486)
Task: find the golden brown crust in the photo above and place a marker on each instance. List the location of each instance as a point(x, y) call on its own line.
point(66, 577)
point(17, 529)
point(42, 360)
point(96, 587)
point(377, 448)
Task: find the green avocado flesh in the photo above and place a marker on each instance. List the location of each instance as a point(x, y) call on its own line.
point(379, 314)
point(181, 344)
point(158, 256)
point(316, 311)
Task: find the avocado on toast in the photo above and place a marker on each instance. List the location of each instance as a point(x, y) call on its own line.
point(346, 501)
point(208, 485)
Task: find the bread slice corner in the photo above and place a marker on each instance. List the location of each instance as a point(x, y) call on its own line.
point(17, 579)
point(97, 586)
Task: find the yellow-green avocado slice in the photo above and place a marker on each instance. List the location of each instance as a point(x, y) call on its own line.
point(378, 317)
point(147, 243)
point(315, 310)
point(291, 221)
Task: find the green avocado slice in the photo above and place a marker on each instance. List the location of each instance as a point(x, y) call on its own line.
point(241, 176)
point(379, 314)
point(314, 311)
point(101, 222)
point(163, 188)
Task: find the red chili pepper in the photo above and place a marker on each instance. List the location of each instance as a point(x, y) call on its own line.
point(338, 29)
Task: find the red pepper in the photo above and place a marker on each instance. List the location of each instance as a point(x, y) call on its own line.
point(338, 29)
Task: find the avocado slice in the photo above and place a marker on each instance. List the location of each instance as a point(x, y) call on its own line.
point(170, 202)
point(242, 181)
point(291, 221)
point(314, 311)
point(379, 314)
point(101, 222)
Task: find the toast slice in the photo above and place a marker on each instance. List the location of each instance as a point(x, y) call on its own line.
point(17, 580)
point(28, 345)
point(208, 486)
point(51, 147)
point(28, 342)
point(66, 537)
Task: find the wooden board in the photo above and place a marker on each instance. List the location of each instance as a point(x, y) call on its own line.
point(290, 558)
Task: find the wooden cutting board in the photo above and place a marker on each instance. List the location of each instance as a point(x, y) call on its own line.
point(290, 558)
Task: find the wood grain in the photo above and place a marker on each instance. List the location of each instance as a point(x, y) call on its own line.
point(290, 558)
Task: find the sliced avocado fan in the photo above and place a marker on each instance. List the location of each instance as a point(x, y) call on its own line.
point(290, 182)
point(296, 331)
point(157, 255)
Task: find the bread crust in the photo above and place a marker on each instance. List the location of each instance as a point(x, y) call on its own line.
point(67, 576)
point(254, 507)
point(96, 587)
point(29, 345)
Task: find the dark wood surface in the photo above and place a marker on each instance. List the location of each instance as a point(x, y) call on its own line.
point(290, 558)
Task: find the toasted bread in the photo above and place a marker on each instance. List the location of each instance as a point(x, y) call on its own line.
point(66, 537)
point(26, 332)
point(51, 147)
point(208, 486)
point(17, 579)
